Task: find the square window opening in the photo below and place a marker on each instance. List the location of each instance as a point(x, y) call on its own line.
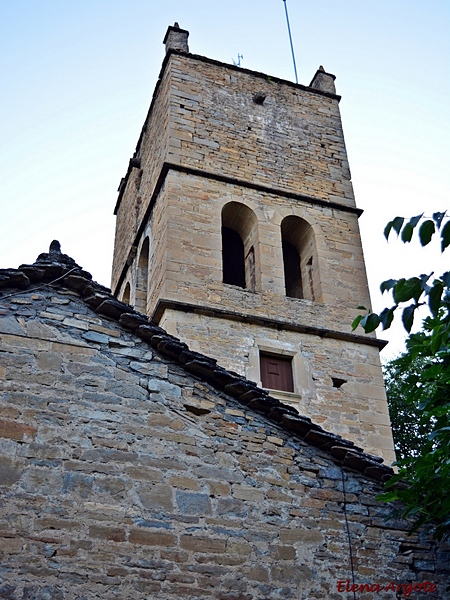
point(276, 372)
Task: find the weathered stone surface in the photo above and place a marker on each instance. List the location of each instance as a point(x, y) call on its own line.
point(117, 480)
point(113, 308)
point(209, 150)
point(16, 431)
point(10, 325)
point(77, 282)
point(10, 471)
point(33, 273)
point(14, 278)
point(132, 321)
point(131, 470)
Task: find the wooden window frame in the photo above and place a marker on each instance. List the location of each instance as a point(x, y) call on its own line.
point(276, 372)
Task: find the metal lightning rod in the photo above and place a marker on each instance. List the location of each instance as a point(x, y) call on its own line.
point(290, 39)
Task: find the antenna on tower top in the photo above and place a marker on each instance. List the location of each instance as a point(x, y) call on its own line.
point(290, 40)
point(238, 62)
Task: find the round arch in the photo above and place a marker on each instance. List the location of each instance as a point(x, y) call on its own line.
point(240, 251)
point(300, 261)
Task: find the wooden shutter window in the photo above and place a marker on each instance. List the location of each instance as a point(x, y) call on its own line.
point(276, 372)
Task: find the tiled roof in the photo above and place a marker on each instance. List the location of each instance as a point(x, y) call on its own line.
point(59, 269)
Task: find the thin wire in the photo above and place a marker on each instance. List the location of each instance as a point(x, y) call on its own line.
point(39, 287)
point(352, 568)
point(290, 40)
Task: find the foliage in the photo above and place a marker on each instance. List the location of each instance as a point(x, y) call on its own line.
point(418, 289)
point(426, 468)
point(402, 377)
point(420, 383)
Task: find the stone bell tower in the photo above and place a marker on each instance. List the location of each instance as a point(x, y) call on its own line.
point(237, 231)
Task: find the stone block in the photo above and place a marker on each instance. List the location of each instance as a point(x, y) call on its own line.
point(10, 471)
point(283, 552)
point(9, 324)
point(105, 330)
point(112, 534)
point(247, 493)
point(151, 538)
point(295, 574)
point(77, 482)
point(156, 496)
point(193, 503)
point(305, 536)
point(183, 482)
point(202, 544)
point(14, 430)
point(231, 507)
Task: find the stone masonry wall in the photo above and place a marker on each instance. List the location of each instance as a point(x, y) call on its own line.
point(191, 254)
point(123, 476)
point(293, 141)
point(203, 116)
point(357, 409)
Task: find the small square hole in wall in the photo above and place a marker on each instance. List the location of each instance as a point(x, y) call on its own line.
point(338, 382)
point(276, 372)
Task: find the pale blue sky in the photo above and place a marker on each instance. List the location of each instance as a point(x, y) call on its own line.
point(77, 79)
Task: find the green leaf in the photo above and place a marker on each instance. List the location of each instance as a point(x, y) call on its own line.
point(434, 297)
point(426, 232)
point(436, 343)
point(397, 224)
point(387, 285)
point(415, 220)
point(437, 218)
point(437, 432)
point(387, 230)
point(370, 322)
point(445, 236)
point(407, 233)
point(397, 288)
point(386, 317)
point(406, 289)
point(408, 316)
point(388, 496)
point(408, 229)
point(356, 321)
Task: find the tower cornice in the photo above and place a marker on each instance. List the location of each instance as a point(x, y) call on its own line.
point(281, 325)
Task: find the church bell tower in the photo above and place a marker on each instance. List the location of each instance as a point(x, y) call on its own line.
point(237, 231)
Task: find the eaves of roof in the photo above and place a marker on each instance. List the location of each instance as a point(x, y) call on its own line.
point(57, 269)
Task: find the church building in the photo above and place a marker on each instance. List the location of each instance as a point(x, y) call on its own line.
point(210, 427)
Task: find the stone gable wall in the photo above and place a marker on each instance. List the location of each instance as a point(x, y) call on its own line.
point(123, 476)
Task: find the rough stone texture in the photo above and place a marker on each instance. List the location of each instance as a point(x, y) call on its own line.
point(125, 475)
point(203, 117)
point(356, 410)
point(207, 143)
